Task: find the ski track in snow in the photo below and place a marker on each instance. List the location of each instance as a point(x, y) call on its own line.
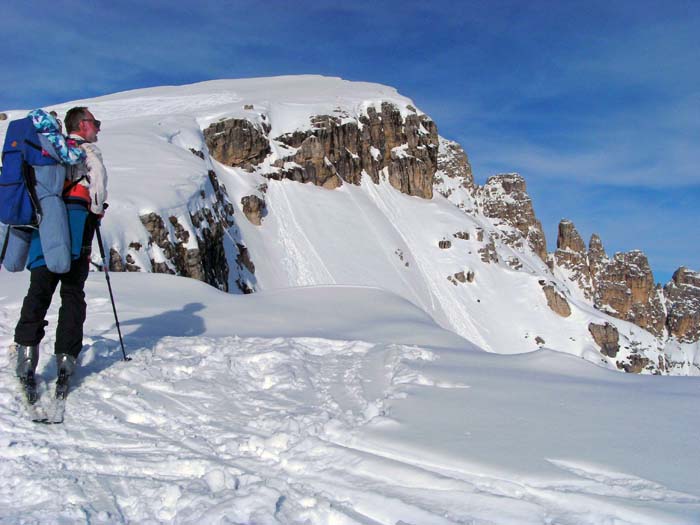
point(414, 291)
point(391, 212)
point(208, 435)
point(302, 262)
point(232, 430)
point(443, 304)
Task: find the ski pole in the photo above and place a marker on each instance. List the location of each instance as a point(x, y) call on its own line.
point(105, 267)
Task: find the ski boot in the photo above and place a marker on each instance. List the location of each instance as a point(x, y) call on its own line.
point(66, 365)
point(27, 359)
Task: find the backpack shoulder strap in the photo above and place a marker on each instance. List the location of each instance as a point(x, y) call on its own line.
point(69, 187)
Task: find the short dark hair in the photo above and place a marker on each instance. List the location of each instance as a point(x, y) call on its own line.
point(73, 118)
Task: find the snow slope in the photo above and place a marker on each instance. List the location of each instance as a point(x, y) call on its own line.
point(353, 387)
point(333, 405)
point(366, 235)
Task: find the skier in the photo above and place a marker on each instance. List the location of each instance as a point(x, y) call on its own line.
point(84, 196)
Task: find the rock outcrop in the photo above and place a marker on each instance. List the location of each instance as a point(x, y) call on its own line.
point(682, 295)
point(556, 301)
point(571, 255)
point(253, 208)
point(505, 197)
point(635, 364)
point(606, 337)
point(461, 277)
point(488, 251)
point(340, 148)
point(596, 255)
point(624, 288)
point(454, 164)
point(191, 245)
point(238, 142)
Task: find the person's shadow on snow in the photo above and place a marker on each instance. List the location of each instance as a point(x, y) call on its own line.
point(173, 323)
point(106, 352)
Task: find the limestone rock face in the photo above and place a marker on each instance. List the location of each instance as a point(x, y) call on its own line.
point(624, 288)
point(116, 264)
point(237, 142)
point(571, 255)
point(190, 246)
point(569, 239)
point(253, 208)
point(556, 301)
point(115, 261)
point(454, 179)
point(454, 164)
point(683, 304)
point(488, 251)
point(606, 337)
point(596, 255)
point(505, 197)
point(635, 364)
point(339, 149)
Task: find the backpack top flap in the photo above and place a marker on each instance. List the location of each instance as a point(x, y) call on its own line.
point(21, 150)
point(22, 138)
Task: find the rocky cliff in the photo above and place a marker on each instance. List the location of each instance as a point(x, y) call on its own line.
point(571, 255)
point(505, 198)
point(682, 296)
point(339, 148)
point(405, 149)
point(238, 142)
point(192, 244)
point(623, 286)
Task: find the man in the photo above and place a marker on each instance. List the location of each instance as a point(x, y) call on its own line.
point(84, 195)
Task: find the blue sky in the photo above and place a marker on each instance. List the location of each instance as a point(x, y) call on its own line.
point(596, 104)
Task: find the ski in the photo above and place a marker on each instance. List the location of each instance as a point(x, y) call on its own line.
point(62, 384)
point(35, 413)
point(55, 412)
point(29, 388)
point(29, 397)
point(57, 409)
point(52, 414)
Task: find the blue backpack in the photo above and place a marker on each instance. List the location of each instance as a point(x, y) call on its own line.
point(22, 150)
point(34, 158)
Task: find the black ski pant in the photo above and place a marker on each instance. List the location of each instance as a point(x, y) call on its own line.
point(31, 327)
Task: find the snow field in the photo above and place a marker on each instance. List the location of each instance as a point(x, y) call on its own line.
point(206, 427)
point(360, 397)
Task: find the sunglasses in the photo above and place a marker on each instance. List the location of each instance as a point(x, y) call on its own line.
point(94, 121)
